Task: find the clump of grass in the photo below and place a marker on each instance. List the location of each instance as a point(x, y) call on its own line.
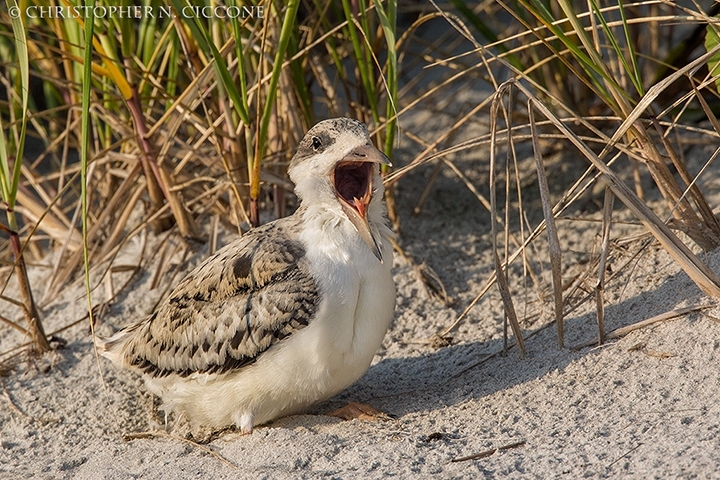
point(190, 119)
point(182, 118)
point(607, 81)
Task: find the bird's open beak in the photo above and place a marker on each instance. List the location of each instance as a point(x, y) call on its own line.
point(352, 178)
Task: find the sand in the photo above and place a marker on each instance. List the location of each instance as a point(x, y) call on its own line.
point(642, 406)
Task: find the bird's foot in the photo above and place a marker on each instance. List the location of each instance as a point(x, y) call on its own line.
point(245, 421)
point(360, 411)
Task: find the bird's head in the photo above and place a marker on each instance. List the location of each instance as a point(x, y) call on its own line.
point(335, 165)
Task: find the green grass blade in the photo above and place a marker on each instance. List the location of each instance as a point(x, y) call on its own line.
point(173, 70)
point(364, 65)
point(588, 58)
point(712, 38)
point(85, 145)
point(242, 74)
point(388, 22)
point(298, 79)
point(285, 33)
point(635, 71)
point(630, 70)
point(4, 166)
point(331, 44)
point(24, 64)
point(541, 13)
point(202, 36)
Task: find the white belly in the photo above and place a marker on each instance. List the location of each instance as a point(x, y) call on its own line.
point(313, 364)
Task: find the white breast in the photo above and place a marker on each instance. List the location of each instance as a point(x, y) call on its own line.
point(332, 352)
point(357, 289)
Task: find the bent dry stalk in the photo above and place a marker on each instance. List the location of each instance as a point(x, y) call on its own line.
point(10, 181)
point(35, 329)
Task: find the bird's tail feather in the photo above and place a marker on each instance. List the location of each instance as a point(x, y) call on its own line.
point(113, 347)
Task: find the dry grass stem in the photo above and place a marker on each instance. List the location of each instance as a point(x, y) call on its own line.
point(550, 227)
point(500, 273)
point(602, 264)
point(689, 262)
point(489, 453)
point(35, 329)
point(622, 331)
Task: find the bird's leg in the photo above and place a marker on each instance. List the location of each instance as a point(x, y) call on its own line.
point(245, 423)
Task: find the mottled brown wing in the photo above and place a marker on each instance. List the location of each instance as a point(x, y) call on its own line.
point(237, 304)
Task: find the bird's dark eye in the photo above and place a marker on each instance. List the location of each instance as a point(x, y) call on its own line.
point(316, 143)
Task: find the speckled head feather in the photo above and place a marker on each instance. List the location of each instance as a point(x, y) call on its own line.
point(323, 136)
point(336, 168)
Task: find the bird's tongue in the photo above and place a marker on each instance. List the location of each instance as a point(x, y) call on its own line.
point(360, 205)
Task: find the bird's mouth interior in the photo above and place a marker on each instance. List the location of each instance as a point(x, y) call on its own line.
point(353, 184)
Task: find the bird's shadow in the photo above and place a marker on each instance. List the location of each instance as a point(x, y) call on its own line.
point(439, 378)
point(428, 379)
